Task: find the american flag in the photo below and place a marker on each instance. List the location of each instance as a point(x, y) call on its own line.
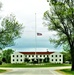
point(39, 34)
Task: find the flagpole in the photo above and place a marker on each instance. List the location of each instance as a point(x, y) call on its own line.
point(35, 37)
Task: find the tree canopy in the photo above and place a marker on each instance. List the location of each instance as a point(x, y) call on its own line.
point(9, 31)
point(66, 53)
point(61, 19)
point(6, 56)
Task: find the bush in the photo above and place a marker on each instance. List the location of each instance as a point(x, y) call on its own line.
point(0, 62)
point(27, 60)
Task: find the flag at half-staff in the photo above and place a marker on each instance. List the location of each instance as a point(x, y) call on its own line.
point(39, 34)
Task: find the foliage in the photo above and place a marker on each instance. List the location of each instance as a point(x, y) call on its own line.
point(61, 20)
point(9, 31)
point(33, 65)
point(46, 59)
point(0, 62)
point(2, 70)
point(0, 56)
point(26, 60)
point(7, 55)
point(0, 5)
point(67, 72)
point(3, 59)
point(66, 53)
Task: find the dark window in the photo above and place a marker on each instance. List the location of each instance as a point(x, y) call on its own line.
point(59, 59)
point(21, 59)
point(36, 55)
point(52, 55)
point(25, 55)
point(55, 59)
point(17, 59)
point(40, 55)
point(55, 55)
point(20, 55)
point(13, 59)
point(32, 55)
point(52, 59)
point(13, 55)
point(29, 55)
point(47, 56)
point(17, 55)
point(44, 55)
point(59, 55)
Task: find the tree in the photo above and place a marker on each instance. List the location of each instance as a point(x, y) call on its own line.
point(9, 31)
point(27, 60)
point(7, 55)
point(46, 59)
point(66, 53)
point(0, 5)
point(61, 20)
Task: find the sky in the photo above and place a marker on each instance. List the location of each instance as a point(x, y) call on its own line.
point(25, 10)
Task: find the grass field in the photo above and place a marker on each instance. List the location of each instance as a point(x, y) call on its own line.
point(33, 65)
point(1, 70)
point(67, 72)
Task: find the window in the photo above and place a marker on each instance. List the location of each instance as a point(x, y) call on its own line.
point(59, 59)
point(29, 55)
point(59, 55)
point(44, 55)
point(20, 55)
point(55, 59)
point(25, 55)
point(55, 55)
point(17, 55)
point(52, 55)
point(47, 56)
point(17, 59)
point(21, 60)
point(52, 59)
point(13, 55)
point(40, 55)
point(32, 55)
point(36, 55)
point(13, 59)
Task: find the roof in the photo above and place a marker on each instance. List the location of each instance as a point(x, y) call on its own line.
point(37, 52)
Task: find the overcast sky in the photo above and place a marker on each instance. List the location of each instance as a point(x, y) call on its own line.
point(25, 10)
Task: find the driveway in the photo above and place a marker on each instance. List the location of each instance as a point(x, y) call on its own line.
point(32, 71)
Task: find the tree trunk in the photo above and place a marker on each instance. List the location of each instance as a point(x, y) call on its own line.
point(72, 58)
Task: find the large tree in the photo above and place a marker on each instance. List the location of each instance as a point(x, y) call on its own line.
point(10, 30)
point(6, 56)
point(61, 20)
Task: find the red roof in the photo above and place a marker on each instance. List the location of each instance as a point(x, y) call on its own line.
point(37, 52)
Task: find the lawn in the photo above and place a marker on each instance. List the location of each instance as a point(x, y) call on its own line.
point(67, 72)
point(1, 70)
point(33, 65)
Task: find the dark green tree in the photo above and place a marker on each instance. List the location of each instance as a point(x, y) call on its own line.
point(27, 60)
point(9, 31)
point(66, 53)
point(7, 55)
point(61, 20)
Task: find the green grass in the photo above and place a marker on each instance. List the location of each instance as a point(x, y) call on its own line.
point(1, 70)
point(67, 72)
point(33, 65)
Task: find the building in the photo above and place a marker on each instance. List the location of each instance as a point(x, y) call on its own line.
point(52, 57)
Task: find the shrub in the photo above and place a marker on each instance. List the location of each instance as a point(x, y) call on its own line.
point(0, 62)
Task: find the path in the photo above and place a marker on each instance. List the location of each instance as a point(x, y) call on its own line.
point(33, 71)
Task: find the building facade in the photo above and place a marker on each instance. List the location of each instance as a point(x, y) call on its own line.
point(52, 57)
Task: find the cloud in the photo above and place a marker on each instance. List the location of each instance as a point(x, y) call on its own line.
point(24, 11)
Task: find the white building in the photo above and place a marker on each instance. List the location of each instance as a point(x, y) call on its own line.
point(53, 57)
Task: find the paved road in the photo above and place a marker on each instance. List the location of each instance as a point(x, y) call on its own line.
point(33, 71)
